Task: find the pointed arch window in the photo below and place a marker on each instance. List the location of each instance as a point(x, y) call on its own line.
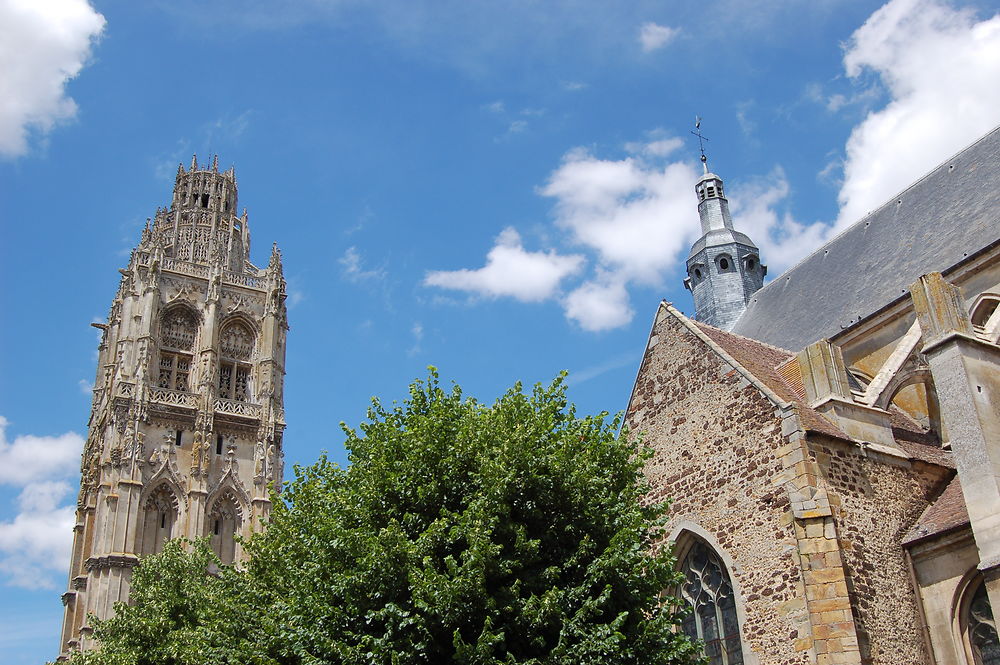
point(159, 515)
point(222, 525)
point(236, 345)
point(708, 589)
point(178, 328)
point(979, 629)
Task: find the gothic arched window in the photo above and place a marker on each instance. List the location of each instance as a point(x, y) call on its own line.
point(979, 627)
point(709, 591)
point(159, 515)
point(236, 344)
point(178, 328)
point(222, 525)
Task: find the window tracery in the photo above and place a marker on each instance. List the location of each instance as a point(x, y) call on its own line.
point(236, 345)
point(178, 329)
point(709, 591)
point(980, 628)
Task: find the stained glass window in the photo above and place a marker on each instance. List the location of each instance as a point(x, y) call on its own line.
point(982, 629)
point(709, 592)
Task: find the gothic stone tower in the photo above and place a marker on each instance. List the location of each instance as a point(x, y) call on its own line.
point(724, 267)
point(186, 425)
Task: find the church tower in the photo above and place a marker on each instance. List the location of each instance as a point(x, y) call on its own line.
point(723, 268)
point(185, 430)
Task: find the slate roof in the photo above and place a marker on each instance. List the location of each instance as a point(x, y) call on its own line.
point(946, 513)
point(948, 214)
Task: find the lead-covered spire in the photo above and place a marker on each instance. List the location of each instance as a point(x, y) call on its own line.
point(723, 268)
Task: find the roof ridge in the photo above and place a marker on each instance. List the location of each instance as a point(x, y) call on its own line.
point(749, 339)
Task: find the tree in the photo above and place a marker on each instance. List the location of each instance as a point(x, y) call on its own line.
point(184, 608)
point(459, 533)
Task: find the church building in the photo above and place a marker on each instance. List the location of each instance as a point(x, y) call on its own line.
point(185, 430)
point(830, 441)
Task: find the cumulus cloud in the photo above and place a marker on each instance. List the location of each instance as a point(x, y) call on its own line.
point(940, 66)
point(653, 36)
point(512, 271)
point(36, 543)
point(636, 215)
point(600, 304)
point(29, 458)
point(42, 46)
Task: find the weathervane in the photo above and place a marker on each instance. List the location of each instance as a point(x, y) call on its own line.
point(701, 141)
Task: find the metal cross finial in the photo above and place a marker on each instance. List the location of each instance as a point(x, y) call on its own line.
point(701, 140)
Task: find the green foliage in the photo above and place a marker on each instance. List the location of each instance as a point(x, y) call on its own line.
point(181, 612)
point(460, 533)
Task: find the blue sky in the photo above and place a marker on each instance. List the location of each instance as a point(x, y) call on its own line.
point(503, 190)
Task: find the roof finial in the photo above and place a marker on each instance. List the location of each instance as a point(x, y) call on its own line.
point(701, 142)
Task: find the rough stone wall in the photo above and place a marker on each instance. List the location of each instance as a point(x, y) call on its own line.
point(879, 500)
point(715, 438)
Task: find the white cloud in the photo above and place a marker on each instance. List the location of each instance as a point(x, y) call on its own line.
point(511, 271)
point(783, 241)
point(653, 36)
point(42, 46)
point(940, 67)
point(30, 458)
point(36, 542)
point(636, 215)
point(351, 264)
point(600, 304)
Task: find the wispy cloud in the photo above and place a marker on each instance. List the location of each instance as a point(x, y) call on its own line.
point(418, 336)
point(653, 36)
point(353, 270)
point(576, 377)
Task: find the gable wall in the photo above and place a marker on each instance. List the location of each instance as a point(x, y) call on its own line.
point(715, 438)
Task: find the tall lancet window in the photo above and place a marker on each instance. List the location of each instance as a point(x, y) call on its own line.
point(235, 349)
point(222, 525)
point(980, 628)
point(158, 518)
point(709, 591)
point(178, 328)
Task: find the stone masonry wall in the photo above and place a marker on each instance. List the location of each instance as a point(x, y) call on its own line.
point(876, 501)
point(715, 438)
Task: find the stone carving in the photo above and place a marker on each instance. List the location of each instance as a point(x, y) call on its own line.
point(196, 453)
point(158, 376)
point(258, 461)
